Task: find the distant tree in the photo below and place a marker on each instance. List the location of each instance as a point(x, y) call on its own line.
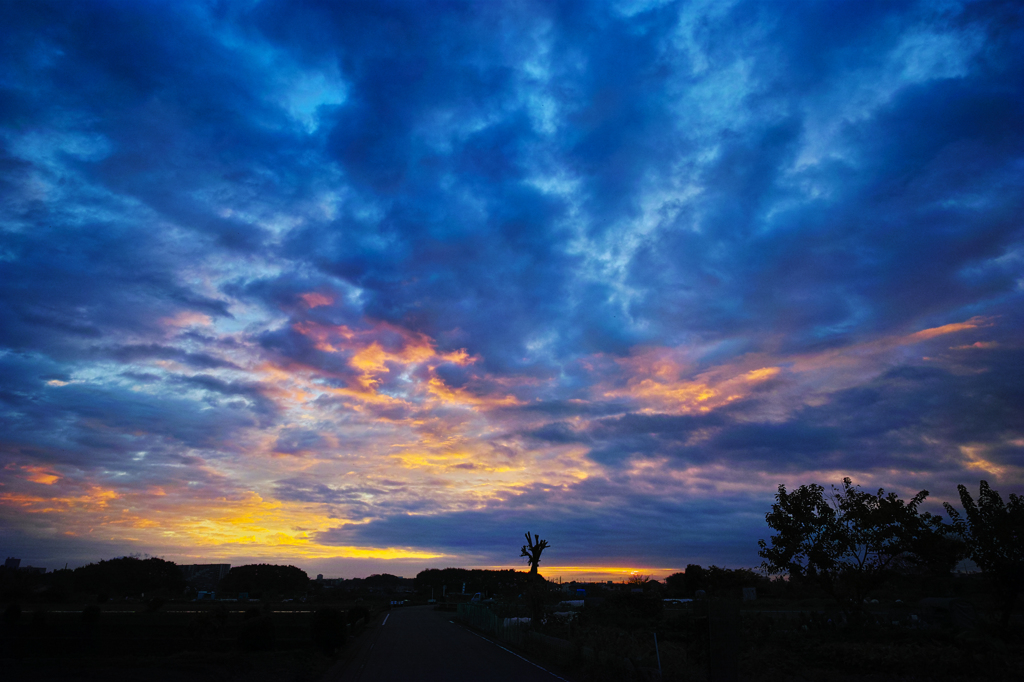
point(676, 585)
point(712, 579)
point(508, 582)
point(61, 584)
point(382, 580)
point(695, 577)
point(994, 536)
point(129, 576)
point(638, 579)
point(730, 580)
point(265, 578)
point(532, 550)
point(848, 543)
point(437, 579)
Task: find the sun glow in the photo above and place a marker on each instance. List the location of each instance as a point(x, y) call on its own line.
point(615, 574)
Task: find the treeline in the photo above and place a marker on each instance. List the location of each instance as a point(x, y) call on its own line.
point(503, 583)
point(259, 579)
point(120, 577)
point(713, 580)
point(151, 577)
point(849, 543)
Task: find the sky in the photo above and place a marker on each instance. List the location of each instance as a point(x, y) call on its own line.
point(377, 287)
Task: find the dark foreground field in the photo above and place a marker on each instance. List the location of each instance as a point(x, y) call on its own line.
point(771, 640)
point(180, 641)
point(218, 644)
point(628, 637)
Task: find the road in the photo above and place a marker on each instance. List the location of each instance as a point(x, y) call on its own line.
point(419, 644)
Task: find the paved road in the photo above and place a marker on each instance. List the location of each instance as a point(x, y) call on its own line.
point(419, 644)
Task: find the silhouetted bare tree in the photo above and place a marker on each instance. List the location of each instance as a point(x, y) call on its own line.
point(532, 550)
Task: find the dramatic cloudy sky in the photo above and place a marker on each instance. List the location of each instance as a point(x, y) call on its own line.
point(381, 286)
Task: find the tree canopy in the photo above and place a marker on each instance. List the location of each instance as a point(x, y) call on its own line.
point(994, 535)
point(128, 576)
point(504, 582)
point(851, 541)
point(261, 578)
point(382, 580)
point(712, 579)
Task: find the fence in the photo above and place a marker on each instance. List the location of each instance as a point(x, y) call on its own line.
point(479, 616)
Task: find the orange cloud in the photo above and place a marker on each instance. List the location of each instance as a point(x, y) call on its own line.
point(976, 345)
point(43, 475)
point(449, 462)
point(925, 334)
point(657, 377)
point(661, 378)
point(95, 497)
point(975, 459)
point(314, 300)
point(371, 356)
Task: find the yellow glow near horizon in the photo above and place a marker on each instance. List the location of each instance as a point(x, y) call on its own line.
point(425, 455)
point(227, 527)
point(593, 573)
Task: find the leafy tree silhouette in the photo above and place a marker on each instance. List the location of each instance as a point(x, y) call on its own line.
point(850, 542)
point(271, 579)
point(507, 583)
point(129, 576)
point(694, 578)
point(676, 584)
point(532, 551)
point(994, 533)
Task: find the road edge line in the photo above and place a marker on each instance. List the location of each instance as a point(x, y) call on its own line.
point(559, 677)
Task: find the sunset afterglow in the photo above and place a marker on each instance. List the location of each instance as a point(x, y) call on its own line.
point(379, 287)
